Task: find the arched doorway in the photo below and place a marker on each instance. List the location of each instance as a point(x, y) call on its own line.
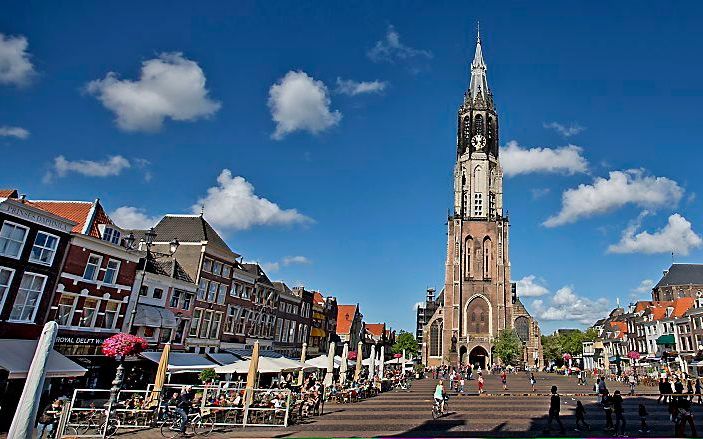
point(478, 357)
point(463, 357)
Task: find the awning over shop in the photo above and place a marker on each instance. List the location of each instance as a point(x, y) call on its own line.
point(266, 365)
point(154, 317)
point(666, 339)
point(180, 362)
point(317, 332)
point(16, 357)
point(224, 358)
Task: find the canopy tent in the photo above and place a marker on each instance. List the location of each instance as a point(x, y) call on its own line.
point(16, 357)
point(293, 364)
point(666, 339)
point(321, 362)
point(154, 317)
point(266, 365)
point(181, 362)
point(224, 358)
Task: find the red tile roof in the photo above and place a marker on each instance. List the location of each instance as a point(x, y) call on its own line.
point(318, 298)
point(8, 193)
point(345, 317)
point(82, 212)
point(376, 329)
point(642, 305)
point(682, 305)
point(620, 326)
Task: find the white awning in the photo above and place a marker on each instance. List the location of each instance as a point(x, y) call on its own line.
point(179, 362)
point(266, 365)
point(16, 357)
point(154, 317)
point(321, 362)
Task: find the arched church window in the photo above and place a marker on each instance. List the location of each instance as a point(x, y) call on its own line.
point(478, 124)
point(489, 131)
point(473, 316)
point(522, 328)
point(467, 128)
point(487, 252)
point(468, 248)
point(436, 338)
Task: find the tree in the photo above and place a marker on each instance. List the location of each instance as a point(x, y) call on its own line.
point(405, 340)
point(508, 346)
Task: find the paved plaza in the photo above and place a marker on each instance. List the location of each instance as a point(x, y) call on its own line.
point(496, 414)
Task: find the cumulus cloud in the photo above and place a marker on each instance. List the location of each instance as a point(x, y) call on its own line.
point(645, 286)
point(298, 102)
point(566, 305)
point(271, 267)
point(17, 132)
point(390, 49)
point(352, 88)
point(113, 165)
point(517, 160)
point(232, 204)
point(564, 130)
point(169, 86)
point(128, 217)
point(529, 286)
point(632, 186)
point(676, 236)
point(15, 66)
point(293, 260)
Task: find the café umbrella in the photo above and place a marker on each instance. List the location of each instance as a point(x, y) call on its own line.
point(359, 360)
point(161, 373)
point(344, 365)
point(251, 376)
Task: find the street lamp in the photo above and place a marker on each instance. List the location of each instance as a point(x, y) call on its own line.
point(149, 238)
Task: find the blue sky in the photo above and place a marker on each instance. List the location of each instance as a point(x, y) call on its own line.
point(353, 147)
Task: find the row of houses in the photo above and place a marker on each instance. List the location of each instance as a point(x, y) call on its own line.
point(178, 282)
point(665, 331)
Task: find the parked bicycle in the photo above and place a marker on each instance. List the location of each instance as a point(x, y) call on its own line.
point(201, 423)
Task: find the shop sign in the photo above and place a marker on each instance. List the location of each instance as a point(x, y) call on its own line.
point(84, 341)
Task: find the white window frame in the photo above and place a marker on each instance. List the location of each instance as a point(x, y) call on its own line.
point(117, 313)
point(24, 240)
point(97, 270)
point(220, 294)
point(38, 302)
point(73, 308)
point(117, 271)
point(7, 287)
point(43, 248)
point(95, 314)
point(195, 320)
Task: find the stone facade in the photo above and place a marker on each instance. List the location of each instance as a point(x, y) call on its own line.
point(478, 302)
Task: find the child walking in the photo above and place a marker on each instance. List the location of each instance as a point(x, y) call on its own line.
point(581, 417)
point(643, 419)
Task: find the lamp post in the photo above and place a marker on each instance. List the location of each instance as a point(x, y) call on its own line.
point(148, 241)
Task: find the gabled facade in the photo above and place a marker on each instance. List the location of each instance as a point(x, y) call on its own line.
point(350, 326)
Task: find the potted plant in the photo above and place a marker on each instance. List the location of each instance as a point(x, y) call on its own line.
point(207, 376)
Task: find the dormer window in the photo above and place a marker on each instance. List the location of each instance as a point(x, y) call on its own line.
point(110, 233)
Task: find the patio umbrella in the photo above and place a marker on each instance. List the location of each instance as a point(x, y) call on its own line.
point(160, 375)
point(251, 376)
point(372, 362)
point(330, 366)
point(359, 359)
point(403, 361)
point(28, 405)
point(303, 354)
point(382, 359)
point(344, 365)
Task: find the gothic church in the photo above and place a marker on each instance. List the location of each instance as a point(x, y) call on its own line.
point(478, 300)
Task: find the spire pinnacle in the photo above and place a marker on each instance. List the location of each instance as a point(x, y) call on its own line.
point(478, 31)
point(478, 86)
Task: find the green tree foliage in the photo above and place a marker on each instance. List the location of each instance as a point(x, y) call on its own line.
point(555, 345)
point(508, 347)
point(207, 375)
point(405, 340)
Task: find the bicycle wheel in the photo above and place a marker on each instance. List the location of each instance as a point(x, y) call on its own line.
point(435, 413)
point(203, 426)
point(169, 429)
point(110, 427)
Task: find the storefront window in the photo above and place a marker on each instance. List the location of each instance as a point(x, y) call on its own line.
point(90, 307)
point(65, 310)
point(111, 310)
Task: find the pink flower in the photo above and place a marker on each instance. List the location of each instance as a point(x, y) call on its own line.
point(123, 345)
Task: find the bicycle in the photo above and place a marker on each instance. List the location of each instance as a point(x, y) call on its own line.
point(201, 424)
point(97, 421)
point(439, 408)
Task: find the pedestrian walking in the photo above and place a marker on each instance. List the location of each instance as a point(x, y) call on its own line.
point(480, 383)
point(642, 412)
point(504, 379)
point(619, 414)
point(663, 391)
point(685, 416)
point(678, 386)
point(581, 417)
point(461, 384)
point(689, 388)
point(48, 419)
point(633, 382)
point(698, 390)
point(533, 381)
point(607, 402)
point(554, 408)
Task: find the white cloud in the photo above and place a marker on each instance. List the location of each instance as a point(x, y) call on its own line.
point(17, 132)
point(292, 260)
point(232, 204)
point(566, 131)
point(271, 267)
point(113, 165)
point(132, 218)
point(169, 86)
point(529, 287)
point(645, 286)
point(517, 160)
point(539, 192)
point(353, 88)
point(568, 306)
point(620, 188)
point(15, 66)
point(676, 237)
point(390, 49)
point(299, 102)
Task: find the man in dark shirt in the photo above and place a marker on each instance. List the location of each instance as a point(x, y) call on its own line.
point(183, 405)
point(619, 411)
point(554, 408)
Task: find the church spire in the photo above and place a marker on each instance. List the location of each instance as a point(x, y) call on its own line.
point(478, 93)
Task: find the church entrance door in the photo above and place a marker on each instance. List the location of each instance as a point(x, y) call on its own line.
point(478, 357)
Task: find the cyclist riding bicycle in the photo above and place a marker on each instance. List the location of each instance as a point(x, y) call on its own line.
point(439, 395)
point(183, 405)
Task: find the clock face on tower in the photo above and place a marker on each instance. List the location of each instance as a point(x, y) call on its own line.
point(478, 142)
